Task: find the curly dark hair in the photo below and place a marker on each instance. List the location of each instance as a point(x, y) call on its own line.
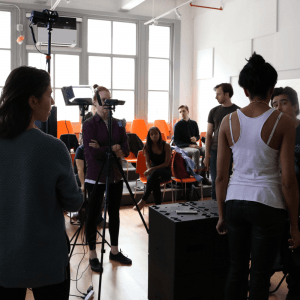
point(290, 93)
point(15, 112)
point(258, 77)
point(148, 145)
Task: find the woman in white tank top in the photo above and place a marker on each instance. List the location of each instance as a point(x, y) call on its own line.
point(257, 193)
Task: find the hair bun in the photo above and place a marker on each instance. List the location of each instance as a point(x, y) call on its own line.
point(256, 60)
point(95, 86)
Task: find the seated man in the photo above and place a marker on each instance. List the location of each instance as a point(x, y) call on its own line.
point(186, 134)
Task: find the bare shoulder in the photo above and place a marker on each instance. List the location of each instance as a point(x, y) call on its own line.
point(225, 123)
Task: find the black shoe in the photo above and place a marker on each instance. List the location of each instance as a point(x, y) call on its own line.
point(120, 258)
point(95, 265)
point(206, 181)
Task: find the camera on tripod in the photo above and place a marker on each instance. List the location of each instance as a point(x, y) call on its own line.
point(46, 17)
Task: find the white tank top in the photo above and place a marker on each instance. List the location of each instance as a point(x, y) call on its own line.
point(256, 171)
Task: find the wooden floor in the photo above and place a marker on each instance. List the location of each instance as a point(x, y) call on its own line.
point(125, 282)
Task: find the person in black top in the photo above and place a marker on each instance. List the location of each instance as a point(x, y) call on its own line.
point(224, 92)
point(158, 155)
point(286, 100)
point(186, 134)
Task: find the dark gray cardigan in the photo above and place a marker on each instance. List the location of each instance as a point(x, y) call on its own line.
point(37, 183)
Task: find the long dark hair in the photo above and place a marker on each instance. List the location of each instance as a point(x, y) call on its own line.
point(148, 145)
point(258, 77)
point(15, 112)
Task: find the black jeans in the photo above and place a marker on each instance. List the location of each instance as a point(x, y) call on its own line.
point(95, 204)
point(58, 291)
point(154, 181)
point(256, 229)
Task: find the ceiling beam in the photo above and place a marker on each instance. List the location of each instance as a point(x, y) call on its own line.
point(130, 4)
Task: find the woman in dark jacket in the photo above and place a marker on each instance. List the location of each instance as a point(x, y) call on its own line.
point(95, 141)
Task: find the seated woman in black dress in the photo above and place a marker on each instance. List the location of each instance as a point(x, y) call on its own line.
point(158, 155)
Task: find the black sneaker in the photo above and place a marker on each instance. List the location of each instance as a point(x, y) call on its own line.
point(95, 265)
point(120, 258)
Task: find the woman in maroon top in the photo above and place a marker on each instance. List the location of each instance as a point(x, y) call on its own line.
point(95, 140)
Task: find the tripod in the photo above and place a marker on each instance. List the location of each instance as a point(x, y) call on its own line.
point(110, 157)
point(83, 108)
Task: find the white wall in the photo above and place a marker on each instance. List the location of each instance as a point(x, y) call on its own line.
point(269, 27)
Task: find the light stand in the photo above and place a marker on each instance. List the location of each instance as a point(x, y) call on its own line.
point(47, 17)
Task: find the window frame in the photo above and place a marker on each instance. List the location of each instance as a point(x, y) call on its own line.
point(171, 69)
point(141, 58)
point(111, 55)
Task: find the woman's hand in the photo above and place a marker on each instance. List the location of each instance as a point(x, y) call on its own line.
point(148, 172)
point(206, 162)
point(94, 144)
point(221, 226)
point(295, 240)
point(82, 188)
point(116, 148)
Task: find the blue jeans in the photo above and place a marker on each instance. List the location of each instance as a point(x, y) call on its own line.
point(213, 172)
point(256, 229)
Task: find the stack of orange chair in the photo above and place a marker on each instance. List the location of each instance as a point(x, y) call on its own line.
point(163, 127)
point(64, 127)
point(139, 127)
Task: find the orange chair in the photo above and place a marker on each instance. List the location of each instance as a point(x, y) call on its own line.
point(163, 127)
point(202, 134)
point(139, 127)
point(190, 179)
point(64, 127)
point(141, 169)
point(130, 159)
point(149, 125)
point(77, 128)
point(128, 126)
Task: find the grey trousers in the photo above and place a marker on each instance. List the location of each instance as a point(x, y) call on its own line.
point(195, 154)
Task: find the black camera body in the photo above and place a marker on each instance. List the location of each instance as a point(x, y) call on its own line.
point(47, 16)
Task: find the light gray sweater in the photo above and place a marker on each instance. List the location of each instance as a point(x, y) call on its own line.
point(37, 183)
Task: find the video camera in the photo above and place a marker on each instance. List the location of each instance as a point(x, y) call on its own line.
point(45, 17)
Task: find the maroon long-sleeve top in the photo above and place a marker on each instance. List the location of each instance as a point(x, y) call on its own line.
point(96, 129)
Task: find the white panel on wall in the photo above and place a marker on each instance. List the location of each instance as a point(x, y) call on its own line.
point(206, 101)
point(222, 62)
point(239, 98)
point(205, 63)
point(288, 14)
point(287, 49)
point(263, 17)
point(237, 23)
point(265, 46)
point(239, 52)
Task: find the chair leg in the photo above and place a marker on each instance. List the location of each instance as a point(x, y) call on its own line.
point(172, 191)
point(135, 189)
point(201, 191)
point(164, 191)
point(185, 191)
point(127, 170)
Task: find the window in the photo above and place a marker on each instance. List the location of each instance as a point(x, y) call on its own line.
point(5, 46)
point(112, 61)
point(158, 73)
point(64, 72)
